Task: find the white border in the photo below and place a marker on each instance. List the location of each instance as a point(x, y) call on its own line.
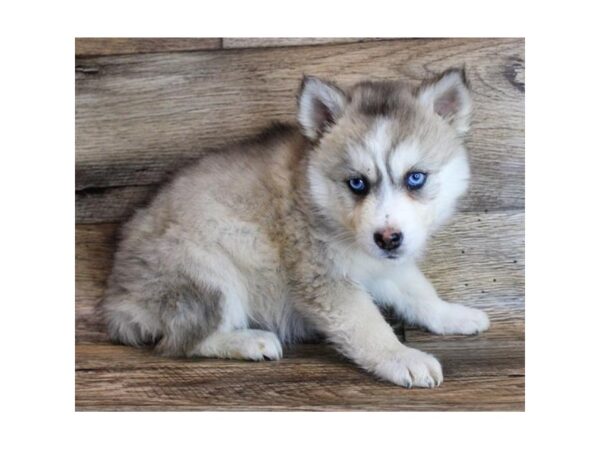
point(37, 225)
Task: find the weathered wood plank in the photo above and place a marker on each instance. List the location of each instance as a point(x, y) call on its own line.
point(483, 375)
point(124, 46)
point(477, 260)
point(479, 254)
point(287, 42)
point(140, 116)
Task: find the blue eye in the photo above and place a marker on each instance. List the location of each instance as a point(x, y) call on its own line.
point(358, 185)
point(415, 180)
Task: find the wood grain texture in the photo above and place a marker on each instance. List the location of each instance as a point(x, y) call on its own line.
point(486, 375)
point(101, 205)
point(477, 260)
point(139, 117)
point(287, 42)
point(124, 46)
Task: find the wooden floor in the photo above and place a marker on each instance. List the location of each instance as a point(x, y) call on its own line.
point(147, 107)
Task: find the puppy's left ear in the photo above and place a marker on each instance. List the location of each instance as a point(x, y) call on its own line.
point(449, 96)
point(320, 105)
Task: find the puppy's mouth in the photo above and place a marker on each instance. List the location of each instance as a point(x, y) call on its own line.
point(394, 254)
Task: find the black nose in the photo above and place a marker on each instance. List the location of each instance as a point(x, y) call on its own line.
point(388, 240)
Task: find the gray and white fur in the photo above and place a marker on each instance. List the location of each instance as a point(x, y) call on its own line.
point(264, 243)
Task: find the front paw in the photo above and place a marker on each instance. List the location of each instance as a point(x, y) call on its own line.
point(411, 367)
point(459, 319)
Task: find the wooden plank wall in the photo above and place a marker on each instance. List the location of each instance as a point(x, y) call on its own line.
point(147, 107)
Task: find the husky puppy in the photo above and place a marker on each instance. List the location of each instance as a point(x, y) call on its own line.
point(303, 231)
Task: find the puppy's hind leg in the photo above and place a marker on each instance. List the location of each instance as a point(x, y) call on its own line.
point(189, 311)
point(249, 344)
point(212, 322)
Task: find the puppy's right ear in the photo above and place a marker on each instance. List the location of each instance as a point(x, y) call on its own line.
point(320, 105)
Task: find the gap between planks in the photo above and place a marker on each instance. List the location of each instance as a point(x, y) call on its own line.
point(112, 46)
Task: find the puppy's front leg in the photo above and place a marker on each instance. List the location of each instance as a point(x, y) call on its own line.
point(413, 296)
point(348, 317)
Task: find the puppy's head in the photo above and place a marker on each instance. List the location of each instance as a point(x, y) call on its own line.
point(388, 162)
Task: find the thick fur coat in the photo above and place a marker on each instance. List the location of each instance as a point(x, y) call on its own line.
point(303, 231)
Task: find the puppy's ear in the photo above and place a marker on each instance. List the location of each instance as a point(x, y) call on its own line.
point(449, 96)
point(320, 105)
